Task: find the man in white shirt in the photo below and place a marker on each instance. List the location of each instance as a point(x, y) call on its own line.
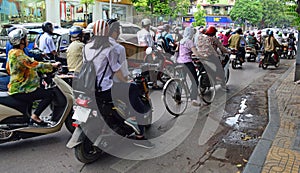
point(46, 43)
point(144, 35)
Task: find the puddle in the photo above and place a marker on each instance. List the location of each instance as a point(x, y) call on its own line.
point(231, 121)
point(243, 105)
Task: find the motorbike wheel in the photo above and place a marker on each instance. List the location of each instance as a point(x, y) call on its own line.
point(69, 121)
point(234, 63)
point(264, 66)
point(86, 152)
point(227, 76)
point(277, 64)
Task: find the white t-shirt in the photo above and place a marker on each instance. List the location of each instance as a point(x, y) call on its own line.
point(46, 43)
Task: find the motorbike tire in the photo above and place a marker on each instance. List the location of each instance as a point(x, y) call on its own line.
point(264, 66)
point(227, 77)
point(85, 152)
point(234, 64)
point(277, 64)
point(69, 121)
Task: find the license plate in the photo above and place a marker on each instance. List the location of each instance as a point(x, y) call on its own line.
point(232, 57)
point(81, 114)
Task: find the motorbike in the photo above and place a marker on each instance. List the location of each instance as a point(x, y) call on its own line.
point(251, 54)
point(164, 65)
point(98, 128)
point(291, 52)
point(284, 51)
point(15, 114)
point(268, 60)
point(235, 59)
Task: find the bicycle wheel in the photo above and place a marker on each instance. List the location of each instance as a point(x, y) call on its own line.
point(207, 88)
point(175, 97)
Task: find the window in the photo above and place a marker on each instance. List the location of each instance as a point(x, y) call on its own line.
point(216, 10)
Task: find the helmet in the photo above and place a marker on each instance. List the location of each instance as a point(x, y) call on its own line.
point(252, 33)
point(211, 30)
point(47, 27)
point(239, 30)
point(270, 33)
point(75, 31)
point(166, 27)
point(17, 35)
point(100, 28)
point(146, 22)
point(259, 32)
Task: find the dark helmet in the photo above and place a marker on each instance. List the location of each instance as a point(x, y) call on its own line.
point(16, 35)
point(211, 30)
point(239, 30)
point(75, 31)
point(47, 27)
point(270, 33)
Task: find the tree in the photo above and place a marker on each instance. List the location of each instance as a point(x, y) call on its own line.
point(162, 7)
point(86, 4)
point(247, 10)
point(199, 17)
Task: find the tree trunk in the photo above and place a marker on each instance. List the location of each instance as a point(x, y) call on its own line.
point(86, 14)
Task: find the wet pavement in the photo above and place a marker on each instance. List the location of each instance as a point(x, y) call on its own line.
point(279, 148)
point(244, 121)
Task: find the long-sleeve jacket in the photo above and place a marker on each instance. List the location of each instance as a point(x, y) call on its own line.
point(23, 72)
point(270, 45)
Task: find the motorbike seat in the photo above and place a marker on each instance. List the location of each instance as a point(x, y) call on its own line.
point(9, 101)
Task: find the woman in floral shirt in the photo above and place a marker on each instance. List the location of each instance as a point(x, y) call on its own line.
point(24, 80)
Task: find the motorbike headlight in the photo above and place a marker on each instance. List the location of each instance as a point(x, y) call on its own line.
point(149, 50)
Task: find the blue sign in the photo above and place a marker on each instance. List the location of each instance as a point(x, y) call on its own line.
point(218, 19)
point(189, 19)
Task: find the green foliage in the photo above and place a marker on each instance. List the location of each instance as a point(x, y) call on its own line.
point(162, 7)
point(87, 3)
point(247, 10)
point(199, 17)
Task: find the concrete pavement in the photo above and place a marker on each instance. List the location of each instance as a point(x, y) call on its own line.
point(279, 147)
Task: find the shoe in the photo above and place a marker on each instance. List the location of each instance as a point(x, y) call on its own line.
point(196, 103)
point(143, 142)
point(133, 125)
point(259, 66)
point(33, 122)
point(51, 123)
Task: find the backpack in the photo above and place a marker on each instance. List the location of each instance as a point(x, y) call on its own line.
point(86, 80)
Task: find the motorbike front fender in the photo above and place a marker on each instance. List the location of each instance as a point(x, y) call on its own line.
point(76, 138)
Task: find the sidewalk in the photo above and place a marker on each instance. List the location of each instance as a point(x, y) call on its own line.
point(278, 151)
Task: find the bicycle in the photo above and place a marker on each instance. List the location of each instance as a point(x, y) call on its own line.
point(176, 92)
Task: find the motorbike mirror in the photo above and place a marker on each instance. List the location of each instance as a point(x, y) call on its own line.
point(149, 50)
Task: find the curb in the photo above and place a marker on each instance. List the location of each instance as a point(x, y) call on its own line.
point(259, 155)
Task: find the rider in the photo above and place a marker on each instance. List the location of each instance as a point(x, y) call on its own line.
point(270, 45)
point(292, 41)
point(238, 42)
point(226, 38)
point(143, 35)
point(252, 41)
point(168, 38)
point(217, 45)
point(24, 81)
point(177, 35)
point(186, 49)
point(46, 43)
point(74, 51)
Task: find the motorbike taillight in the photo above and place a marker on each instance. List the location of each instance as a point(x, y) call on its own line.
point(82, 101)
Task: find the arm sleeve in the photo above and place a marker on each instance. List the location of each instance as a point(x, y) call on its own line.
point(40, 66)
point(115, 59)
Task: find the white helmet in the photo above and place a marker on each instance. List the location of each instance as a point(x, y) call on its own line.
point(146, 22)
point(16, 35)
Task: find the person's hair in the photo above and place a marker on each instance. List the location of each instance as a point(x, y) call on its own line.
point(113, 26)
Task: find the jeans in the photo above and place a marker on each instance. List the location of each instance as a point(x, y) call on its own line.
point(191, 71)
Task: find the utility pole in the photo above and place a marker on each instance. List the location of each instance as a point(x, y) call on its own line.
point(297, 68)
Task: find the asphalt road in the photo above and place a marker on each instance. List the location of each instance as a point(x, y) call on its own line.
point(49, 153)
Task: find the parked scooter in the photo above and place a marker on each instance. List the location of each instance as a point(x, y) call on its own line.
point(97, 132)
point(268, 60)
point(15, 114)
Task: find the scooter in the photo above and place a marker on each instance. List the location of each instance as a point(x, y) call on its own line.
point(98, 129)
point(291, 52)
point(235, 59)
point(165, 66)
point(251, 54)
point(15, 114)
point(284, 52)
point(268, 60)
